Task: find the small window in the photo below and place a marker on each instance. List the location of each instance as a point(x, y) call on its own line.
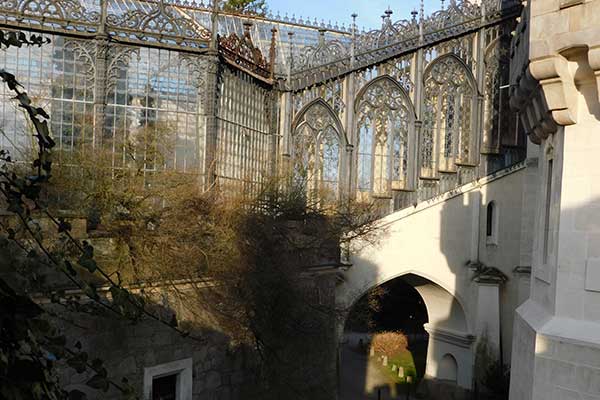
point(491, 228)
point(547, 248)
point(164, 387)
point(170, 381)
point(490, 220)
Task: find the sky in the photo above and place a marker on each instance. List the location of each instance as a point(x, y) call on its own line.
point(369, 11)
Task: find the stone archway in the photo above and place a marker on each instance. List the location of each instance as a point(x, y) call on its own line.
point(448, 338)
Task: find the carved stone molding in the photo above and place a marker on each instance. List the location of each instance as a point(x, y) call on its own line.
point(547, 95)
point(461, 339)
point(558, 85)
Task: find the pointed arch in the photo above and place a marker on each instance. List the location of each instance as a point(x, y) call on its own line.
point(334, 119)
point(385, 119)
point(494, 121)
point(318, 139)
point(387, 78)
point(449, 134)
point(451, 57)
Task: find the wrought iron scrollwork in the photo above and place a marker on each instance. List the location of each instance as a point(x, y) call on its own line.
point(325, 52)
point(242, 52)
point(85, 54)
point(163, 22)
point(118, 59)
point(63, 14)
point(390, 32)
point(456, 14)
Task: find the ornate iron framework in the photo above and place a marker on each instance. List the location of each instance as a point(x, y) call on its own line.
point(385, 118)
point(402, 113)
point(318, 140)
point(449, 116)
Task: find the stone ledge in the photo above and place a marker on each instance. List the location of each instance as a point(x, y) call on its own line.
point(461, 339)
point(566, 330)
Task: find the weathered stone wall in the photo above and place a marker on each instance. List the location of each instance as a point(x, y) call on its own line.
point(220, 369)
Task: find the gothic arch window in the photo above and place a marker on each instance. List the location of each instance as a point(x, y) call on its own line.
point(448, 135)
point(494, 119)
point(491, 223)
point(385, 118)
point(317, 150)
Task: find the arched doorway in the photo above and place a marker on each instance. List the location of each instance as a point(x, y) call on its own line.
point(405, 327)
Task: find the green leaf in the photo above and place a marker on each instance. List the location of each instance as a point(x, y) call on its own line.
point(87, 263)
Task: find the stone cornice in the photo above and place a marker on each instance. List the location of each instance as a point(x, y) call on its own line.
point(555, 51)
point(451, 336)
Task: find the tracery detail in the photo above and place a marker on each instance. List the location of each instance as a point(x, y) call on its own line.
point(118, 61)
point(455, 14)
point(448, 116)
point(495, 68)
point(59, 9)
point(390, 32)
point(84, 54)
point(330, 91)
point(162, 21)
point(385, 119)
point(316, 151)
point(324, 52)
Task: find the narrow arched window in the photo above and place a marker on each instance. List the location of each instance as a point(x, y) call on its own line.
point(330, 164)
point(316, 151)
point(490, 220)
point(384, 122)
point(447, 116)
point(304, 155)
point(491, 225)
point(365, 156)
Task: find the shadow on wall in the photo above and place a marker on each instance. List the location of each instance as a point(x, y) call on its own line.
point(148, 353)
point(429, 251)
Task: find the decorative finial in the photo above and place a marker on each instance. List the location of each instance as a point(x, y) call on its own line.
point(414, 14)
point(272, 52)
point(442, 5)
point(422, 10)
